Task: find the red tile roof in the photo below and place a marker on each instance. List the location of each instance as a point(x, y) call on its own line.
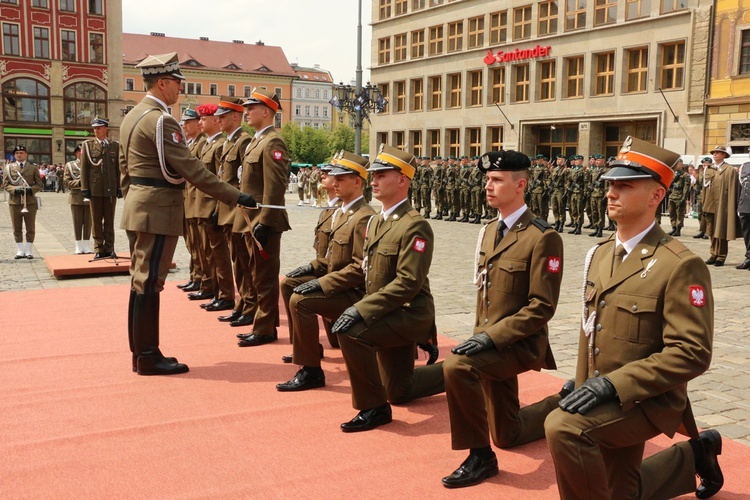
point(208, 54)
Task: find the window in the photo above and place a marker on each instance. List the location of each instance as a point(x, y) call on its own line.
point(385, 92)
point(307, 93)
point(213, 89)
point(417, 44)
point(546, 80)
point(25, 100)
point(195, 88)
point(637, 8)
point(637, 69)
point(495, 138)
point(401, 7)
point(672, 5)
point(476, 32)
point(434, 145)
point(436, 92)
point(277, 91)
point(672, 65)
point(415, 139)
point(548, 18)
point(399, 47)
point(605, 12)
point(575, 14)
point(96, 48)
point(297, 110)
point(68, 41)
point(39, 149)
point(417, 4)
point(436, 40)
point(95, 7)
point(382, 138)
point(605, 73)
point(11, 40)
point(41, 43)
point(475, 87)
point(316, 110)
point(129, 84)
point(455, 36)
point(497, 86)
point(83, 102)
point(574, 77)
point(454, 90)
point(399, 88)
point(417, 94)
point(385, 9)
point(498, 27)
point(231, 90)
point(474, 140)
point(384, 50)
point(42, 4)
point(744, 67)
point(522, 23)
point(277, 120)
point(307, 110)
point(453, 136)
point(317, 93)
point(68, 5)
point(521, 83)
point(398, 139)
point(246, 90)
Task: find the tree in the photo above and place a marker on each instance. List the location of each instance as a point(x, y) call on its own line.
point(341, 137)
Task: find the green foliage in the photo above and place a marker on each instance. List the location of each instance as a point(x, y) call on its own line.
point(318, 145)
point(341, 137)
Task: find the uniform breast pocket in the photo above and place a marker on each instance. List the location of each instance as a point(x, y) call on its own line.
point(341, 249)
point(510, 276)
point(637, 318)
point(387, 256)
point(253, 158)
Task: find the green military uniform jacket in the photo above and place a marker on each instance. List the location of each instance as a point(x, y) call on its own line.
point(519, 286)
point(100, 169)
point(398, 255)
point(653, 329)
point(231, 159)
point(322, 233)
point(158, 209)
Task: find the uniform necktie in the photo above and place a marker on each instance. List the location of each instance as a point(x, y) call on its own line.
point(619, 255)
point(500, 232)
point(104, 143)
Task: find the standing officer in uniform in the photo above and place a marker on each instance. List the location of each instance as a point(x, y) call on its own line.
point(153, 177)
point(100, 178)
point(378, 334)
point(678, 195)
point(21, 180)
point(647, 331)
point(519, 264)
point(79, 207)
point(726, 221)
point(264, 175)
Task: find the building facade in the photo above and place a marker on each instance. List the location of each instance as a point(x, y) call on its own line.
point(467, 76)
point(728, 103)
point(212, 69)
point(60, 66)
point(311, 91)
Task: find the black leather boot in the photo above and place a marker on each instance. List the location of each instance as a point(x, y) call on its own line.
point(677, 231)
point(671, 233)
point(146, 338)
point(577, 229)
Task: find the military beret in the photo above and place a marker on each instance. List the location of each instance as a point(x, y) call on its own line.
point(18, 148)
point(504, 160)
point(207, 109)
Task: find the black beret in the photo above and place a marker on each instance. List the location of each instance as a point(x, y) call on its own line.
point(504, 160)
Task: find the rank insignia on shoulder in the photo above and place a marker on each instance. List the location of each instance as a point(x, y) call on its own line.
point(554, 264)
point(176, 137)
point(277, 155)
point(697, 296)
point(420, 245)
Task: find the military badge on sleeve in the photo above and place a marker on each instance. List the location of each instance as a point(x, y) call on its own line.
point(697, 296)
point(277, 155)
point(420, 245)
point(176, 137)
point(553, 264)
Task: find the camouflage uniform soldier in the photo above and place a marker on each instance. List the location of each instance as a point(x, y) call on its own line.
point(576, 187)
point(557, 179)
point(539, 180)
point(699, 188)
point(465, 189)
point(598, 201)
point(302, 178)
point(477, 190)
point(438, 188)
point(425, 184)
point(451, 189)
point(678, 194)
point(415, 188)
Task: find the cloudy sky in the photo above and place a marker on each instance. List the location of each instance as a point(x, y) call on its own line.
point(310, 32)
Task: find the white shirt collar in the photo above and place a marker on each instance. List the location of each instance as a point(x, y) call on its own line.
point(332, 202)
point(511, 219)
point(345, 208)
point(387, 213)
point(217, 134)
point(260, 132)
point(234, 133)
point(632, 242)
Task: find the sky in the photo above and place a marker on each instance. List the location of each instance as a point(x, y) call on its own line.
point(320, 32)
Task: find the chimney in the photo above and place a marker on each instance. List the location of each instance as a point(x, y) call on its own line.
point(204, 38)
point(238, 41)
point(154, 33)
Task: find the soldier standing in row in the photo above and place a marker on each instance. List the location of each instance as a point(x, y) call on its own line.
point(438, 188)
point(21, 180)
point(701, 188)
point(558, 179)
point(465, 189)
point(79, 206)
point(425, 176)
point(302, 178)
point(598, 200)
point(477, 191)
point(678, 195)
point(576, 187)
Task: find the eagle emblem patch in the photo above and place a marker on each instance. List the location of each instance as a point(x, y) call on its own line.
point(553, 264)
point(176, 137)
point(697, 296)
point(419, 245)
point(277, 155)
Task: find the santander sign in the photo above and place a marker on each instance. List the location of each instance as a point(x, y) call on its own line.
point(516, 55)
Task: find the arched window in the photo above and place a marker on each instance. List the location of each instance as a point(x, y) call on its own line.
point(83, 102)
point(307, 92)
point(317, 93)
point(299, 92)
point(325, 94)
point(25, 100)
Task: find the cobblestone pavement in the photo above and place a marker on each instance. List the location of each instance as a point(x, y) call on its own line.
point(721, 397)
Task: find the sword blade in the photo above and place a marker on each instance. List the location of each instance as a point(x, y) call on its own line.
point(284, 207)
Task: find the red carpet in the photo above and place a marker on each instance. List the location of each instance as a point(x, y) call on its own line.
point(77, 423)
point(67, 266)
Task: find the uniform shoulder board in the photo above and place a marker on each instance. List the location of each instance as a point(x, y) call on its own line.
point(675, 246)
point(413, 213)
point(542, 224)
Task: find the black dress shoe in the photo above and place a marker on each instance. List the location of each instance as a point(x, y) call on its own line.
point(287, 359)
point(206, 304)
point(153, 363)
point(706, 450)
point(473, 471)
point(718, 263)
point(711, 261)
point(369, 419)
point(255, 339)
point(432, 352)
point(744, 265)
point(305, 379)
point(242, 320)
point(230, 317)
point(699, 236)
point(183, 285)
point(193, 288)
point(201, 295)
point(220, 305)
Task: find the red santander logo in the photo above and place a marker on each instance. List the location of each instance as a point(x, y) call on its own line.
point(502, 56)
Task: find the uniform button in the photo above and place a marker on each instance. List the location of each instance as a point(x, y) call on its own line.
point(602, 304)
point(489, 285)
point(370, 252)
point(488, 302)
point(369, 282)
point(369, 268)
point(596, 351)
point(510, 267)
point(490, 266)
point(596, 373)
point(635, 307)
point(486, 321)
point(599, 327)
